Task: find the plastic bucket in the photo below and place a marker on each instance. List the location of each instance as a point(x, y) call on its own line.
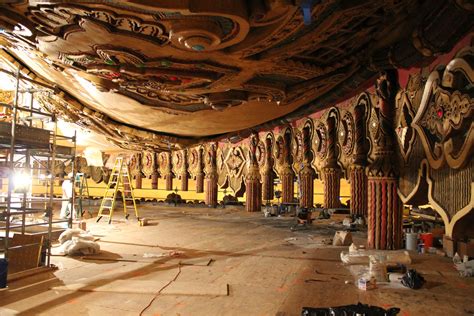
point(3, 273)
point(427, 239)
point(412, 241)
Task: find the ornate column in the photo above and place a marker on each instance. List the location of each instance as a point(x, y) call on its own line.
point(138, 181)
point(155, 175)
point(357, 176)
point(307, 173)
point(210, 188)
point(199, 173)
point(384, 206)
point(287, 174)
point(138, 178)
point(331, 170)
point(168, 171)
point(184, 176)
point(268, 173)
point(253, 196)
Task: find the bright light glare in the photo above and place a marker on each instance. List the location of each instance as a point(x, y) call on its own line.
point(21, 182)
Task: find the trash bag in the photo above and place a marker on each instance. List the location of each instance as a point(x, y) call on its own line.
point(350, 310)
point(413, 279)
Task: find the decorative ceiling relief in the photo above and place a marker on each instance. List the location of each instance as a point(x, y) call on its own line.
point(444, 120)
point(149, 73)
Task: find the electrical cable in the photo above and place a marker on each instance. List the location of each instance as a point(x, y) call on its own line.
point(160, 290)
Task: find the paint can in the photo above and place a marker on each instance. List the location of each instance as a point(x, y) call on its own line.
point(427, 239)
point(411, 241)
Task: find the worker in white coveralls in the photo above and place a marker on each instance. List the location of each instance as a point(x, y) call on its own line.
point(66, 207)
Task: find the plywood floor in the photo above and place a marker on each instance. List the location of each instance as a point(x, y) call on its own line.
point(269, 270)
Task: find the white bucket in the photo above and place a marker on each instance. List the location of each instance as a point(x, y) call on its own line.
point(412, 241)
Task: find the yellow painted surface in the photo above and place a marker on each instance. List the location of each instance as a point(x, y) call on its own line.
point(97, 190)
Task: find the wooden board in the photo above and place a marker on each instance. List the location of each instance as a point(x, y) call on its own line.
point(26, 257)
point(196, 262)
point(151, 287)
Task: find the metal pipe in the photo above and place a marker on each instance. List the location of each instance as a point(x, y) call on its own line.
point(51, 196)
point(12, 165)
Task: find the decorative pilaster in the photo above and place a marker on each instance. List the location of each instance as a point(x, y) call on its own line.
point(331, 170)
point(385, 216)
point(358, 176)
point(332, 187)
point(200, 182)
point(138, 181)
point(358, 180)
point(169, 172)
point(268, 175)
point(253, 194)
point(307, 173)
point(154, 180)
point(287, 176)
point(210, 188)
point(155, 175)
point(184, 176)
point(199, 172)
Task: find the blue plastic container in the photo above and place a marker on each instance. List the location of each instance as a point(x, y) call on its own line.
point(3, 273)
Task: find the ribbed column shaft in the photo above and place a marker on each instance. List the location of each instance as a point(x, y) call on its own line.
point(253, 193)
point(287, 185)
point(200, 182)
point(169, 182)
point(358, 180)
point(332, 187)
point(385, 216)
point(184, 182)
point(211, 190)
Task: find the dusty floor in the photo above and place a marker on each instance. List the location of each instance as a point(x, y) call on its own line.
point(267, 270)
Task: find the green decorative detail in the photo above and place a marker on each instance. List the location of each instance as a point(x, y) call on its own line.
point(166, 63)
point(110, 62)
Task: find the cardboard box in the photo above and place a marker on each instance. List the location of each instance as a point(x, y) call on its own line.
point(466, 248)
point(449, 246)
point(366, 284)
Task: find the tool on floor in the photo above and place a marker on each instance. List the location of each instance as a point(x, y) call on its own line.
point(119, 181)
point(82, 192)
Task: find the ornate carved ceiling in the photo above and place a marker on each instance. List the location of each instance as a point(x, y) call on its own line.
point(184, 71)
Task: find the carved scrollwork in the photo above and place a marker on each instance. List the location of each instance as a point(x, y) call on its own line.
point(148, 163)
point(346, 133)
point(134, 165)
point(320, 140)
point(164, 162)
point(444, 120)
point(405, 101)
point(235, 163)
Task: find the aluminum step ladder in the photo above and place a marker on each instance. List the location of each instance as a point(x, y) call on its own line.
point(119, 181)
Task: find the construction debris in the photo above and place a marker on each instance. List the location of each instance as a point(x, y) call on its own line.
point(362, 256)
point(342, 238)
point(77, 242)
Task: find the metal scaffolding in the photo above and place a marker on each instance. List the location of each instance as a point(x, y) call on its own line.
point(26, 142)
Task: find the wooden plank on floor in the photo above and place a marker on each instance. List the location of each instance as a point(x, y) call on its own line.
point(150, 287)
point(196, 262)
point(197, 288)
